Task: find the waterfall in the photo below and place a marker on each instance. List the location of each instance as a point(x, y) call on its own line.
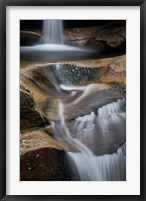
point(109, 121)
point(85, 164)
point(109, 167)
point(52, 46)
point(96, 141)
point(52, 32)
point(112, 108)
point(90, 171)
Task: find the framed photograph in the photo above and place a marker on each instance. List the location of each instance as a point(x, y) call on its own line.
point(72, 100)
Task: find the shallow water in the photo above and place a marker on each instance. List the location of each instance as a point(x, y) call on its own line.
point(57, 52)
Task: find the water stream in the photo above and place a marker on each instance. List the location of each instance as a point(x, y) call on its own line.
point(103, 129)
point(52, 46)
point(53, 32)
point(97, 139)
point(88, 166)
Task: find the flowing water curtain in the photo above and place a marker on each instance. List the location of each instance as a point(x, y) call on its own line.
point(53, 32)
point(108, 167)
point(89, 167)
point(52, 46)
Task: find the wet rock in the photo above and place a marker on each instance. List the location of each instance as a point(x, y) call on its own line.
point(66, 74)
point(95, 99)
point(111, 35)
point(31, 119)
point(29, 116)
point(36, 139)
point(28, 38)
point(42, 158)
point(44, 81)
point(79, 72)
point(26, 101)
point(112, 69)
point(43, 165)
point(116, 71)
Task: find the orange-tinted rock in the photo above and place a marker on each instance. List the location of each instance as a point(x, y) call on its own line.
point(108, 73)
point(29, 116)
point(26, 101)
point(31, 119)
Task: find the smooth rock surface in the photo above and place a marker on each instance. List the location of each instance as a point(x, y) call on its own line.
point(111, 36)
point(29, 116)
point(42, 158)
point(29, 38)
point(44, 80)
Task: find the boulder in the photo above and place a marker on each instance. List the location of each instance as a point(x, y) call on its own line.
point(31, 119)
point(28, 38)
point(76, 72)
point(104, 70)
point(42, 158)
point(26, 101)
point(111, 35)
point(98, 96)
point(108, 73)
point(29, 116)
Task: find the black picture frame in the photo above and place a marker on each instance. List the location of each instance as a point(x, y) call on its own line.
point(3, 100)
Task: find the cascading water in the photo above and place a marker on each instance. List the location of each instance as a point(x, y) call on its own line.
point(53, 32)
point(112, 108)
point(98, 132)
point(96, 141)
point(52, 46)
point(107, 167)
point(85, 156)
